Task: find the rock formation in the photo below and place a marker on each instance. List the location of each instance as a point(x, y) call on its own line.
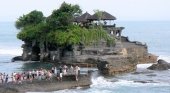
point(84, 40)
point(161, 65)
point(120, 58)
point(130, 54)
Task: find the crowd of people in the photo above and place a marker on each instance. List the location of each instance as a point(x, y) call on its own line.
point(40, 74)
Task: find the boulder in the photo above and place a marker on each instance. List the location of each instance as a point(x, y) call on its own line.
point(161, 65)
point(118, 64)
point(160, 61)
point(17, 58)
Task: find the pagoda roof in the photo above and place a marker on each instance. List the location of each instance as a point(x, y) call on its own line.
point(83, 18)
point(105, 16)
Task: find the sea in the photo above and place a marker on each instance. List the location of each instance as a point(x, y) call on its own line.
point(155, 34)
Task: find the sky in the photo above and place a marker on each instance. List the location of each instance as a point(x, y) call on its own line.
point(123, 10)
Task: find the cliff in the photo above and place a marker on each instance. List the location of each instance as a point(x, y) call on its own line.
point(121, 58)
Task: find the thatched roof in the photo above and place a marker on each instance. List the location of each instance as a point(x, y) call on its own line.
point(82, 18)
point(105, 16)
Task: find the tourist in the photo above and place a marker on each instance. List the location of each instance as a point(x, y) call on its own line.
point(58, 76)
point(71, 70)
point(17, 78)
point(6, 78)
point(33, 74)
point(30, 76)
point(1, 77)
point(78, 70)
point(52, 70)
point(55, 70)
point(61, 74)
point(49, 75)
point(24, 76)
point(64, 70)
point(76, 73)
point(39, 74)
point(13, 77)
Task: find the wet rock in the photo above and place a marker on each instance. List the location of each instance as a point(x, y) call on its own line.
point(7, 90)
point(112, 65)
point(161, 65)
point(17, 58)
point(136, 73)
point(151, 75)
point(147, 81)
point(160, 61)
point(45, 85)
point(143, 72)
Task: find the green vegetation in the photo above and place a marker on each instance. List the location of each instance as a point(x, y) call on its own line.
point(58, 29)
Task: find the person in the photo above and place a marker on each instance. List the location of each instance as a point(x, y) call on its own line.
point(78, 70)
point(1, 77)
point(13, 76)
point(6, 78)
point(30, 76)
point(52, 70)
point(64, 70)
point(76, 73)
point(71, 70)
point(105, 23)
point(114, 25)
point(61, 74)
point(49, 75)
point(33, 74)
point(55, 70)
point(58, 76)
point(18, 78)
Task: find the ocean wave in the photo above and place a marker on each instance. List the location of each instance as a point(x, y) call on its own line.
point(104, 85)
point(15, 52)
point(101, 82)
point(144, 66)
point(139, 84)
point(165, 57)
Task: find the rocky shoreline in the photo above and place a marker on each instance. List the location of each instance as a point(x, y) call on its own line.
point(46, 85)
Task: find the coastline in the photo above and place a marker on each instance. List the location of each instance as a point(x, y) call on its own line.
point(46, 85)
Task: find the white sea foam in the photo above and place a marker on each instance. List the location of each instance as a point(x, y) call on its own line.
point(138, 84)
point(101, 82)
point(165, 57)
point(144, 66)
point(9, 51)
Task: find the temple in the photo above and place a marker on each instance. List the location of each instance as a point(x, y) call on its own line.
point(105, 19)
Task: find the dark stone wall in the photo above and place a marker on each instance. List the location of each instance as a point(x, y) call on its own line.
point(117, 65)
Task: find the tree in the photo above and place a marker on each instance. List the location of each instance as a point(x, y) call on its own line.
point(32, 18)
point(58, 29)
point(64, 16)
point(98, 14)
